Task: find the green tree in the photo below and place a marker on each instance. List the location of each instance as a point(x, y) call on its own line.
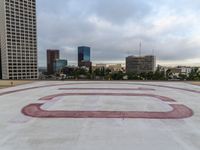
point(169, 74)
point(117, 75)
point(159, 74)
point(194, 74)
point(133, 76)
point(150, 75)
point(182, 76)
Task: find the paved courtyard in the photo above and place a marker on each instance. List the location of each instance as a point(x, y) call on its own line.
point(95, 115)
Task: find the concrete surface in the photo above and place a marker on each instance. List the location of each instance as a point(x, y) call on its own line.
point(10, 83)
point(195, 83)
point(100, 116)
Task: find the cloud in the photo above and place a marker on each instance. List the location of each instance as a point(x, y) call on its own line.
point(114, 28)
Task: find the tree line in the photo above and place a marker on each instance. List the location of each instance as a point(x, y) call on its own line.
point(107, 74)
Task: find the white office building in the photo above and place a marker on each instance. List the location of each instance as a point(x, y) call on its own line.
point(18, 39)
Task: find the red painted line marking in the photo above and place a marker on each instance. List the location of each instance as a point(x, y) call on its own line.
point(178, 112)
point(170, 87)
point(163, 98)
point(54, 85)
point(113, 89)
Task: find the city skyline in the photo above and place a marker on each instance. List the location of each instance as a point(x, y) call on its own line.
point(116, 28)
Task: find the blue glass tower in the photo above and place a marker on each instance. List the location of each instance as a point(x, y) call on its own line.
point(84, 56)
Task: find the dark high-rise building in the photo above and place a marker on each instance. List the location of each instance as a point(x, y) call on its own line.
point(18, 39)
point(52, 55)
point(84, 57)
point(140, 64)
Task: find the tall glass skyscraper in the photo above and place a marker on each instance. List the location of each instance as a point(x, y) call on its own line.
point(18, 39)
point(84, 56)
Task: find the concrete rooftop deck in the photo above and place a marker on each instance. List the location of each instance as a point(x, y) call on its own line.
point(99, 115)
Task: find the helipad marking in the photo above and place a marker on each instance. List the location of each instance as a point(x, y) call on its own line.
point(179, 111)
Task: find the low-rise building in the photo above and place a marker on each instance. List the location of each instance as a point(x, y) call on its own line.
point(59, 65)
point(185, 70)
point(116, 67)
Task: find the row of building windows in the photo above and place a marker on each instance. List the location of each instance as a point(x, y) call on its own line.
point(28, 19)
point(23, 75)
point(25, 62)
point(10, 71)
point(17, 10)
point(31, 26)
point(22, 27)
point(22, 52)
point(19, 78)
point(28, 67)
point(22, 39)
point(20, 6)
point(21, 45)
point(27, 56)
point(21, 1)
point(22, 35)
point(18, 51)
point(15, 41)
point(30, 58)
point(22, 59)
point(29, 48)
point(22, 68)
point(24, 48)
point(19, 21)
point(21, 49)
point(17, 16)
point(21, 12)
point(30, 33)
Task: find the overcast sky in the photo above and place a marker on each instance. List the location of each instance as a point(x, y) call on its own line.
point(114, 28)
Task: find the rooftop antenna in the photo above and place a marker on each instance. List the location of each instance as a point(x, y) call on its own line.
point(140, 49)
